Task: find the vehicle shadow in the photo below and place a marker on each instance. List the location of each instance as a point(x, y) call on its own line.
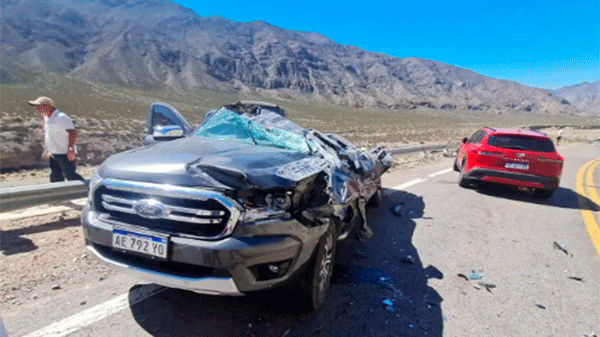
point(562, 197)
point(12, 240)
point(385, 267)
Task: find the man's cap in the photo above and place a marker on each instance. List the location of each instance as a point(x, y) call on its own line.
point(42, 100)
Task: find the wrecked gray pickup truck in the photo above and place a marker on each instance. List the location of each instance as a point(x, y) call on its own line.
point(245, 202)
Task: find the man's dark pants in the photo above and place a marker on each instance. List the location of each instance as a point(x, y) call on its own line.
point(61, 168)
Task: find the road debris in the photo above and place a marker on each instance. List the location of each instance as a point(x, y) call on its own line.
point(540, 306)
point(463, 276)
point(397, 210)
point(475, 276)
point(409, 259)
point(55, 287)
point(576, 278)
point(361, 254)
point(398, 294)
point(487, 286)
point(562, 248)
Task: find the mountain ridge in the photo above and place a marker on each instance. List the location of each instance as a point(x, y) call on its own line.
point(145, 43)
point(585, 95)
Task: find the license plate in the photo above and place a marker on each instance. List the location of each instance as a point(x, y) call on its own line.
point(148, 244)
point(517, 166)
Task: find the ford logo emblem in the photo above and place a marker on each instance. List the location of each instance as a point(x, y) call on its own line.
point(520, 155)
point(149, 208)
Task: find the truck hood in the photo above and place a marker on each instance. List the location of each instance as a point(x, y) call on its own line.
point(206, 162)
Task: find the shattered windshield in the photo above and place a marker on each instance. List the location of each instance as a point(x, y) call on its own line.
point(225, 124)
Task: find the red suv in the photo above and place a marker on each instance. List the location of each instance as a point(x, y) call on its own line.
point(523, 158)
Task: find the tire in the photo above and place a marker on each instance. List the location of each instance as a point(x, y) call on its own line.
point(543, 194)
point(317, 279)
point(462, 181)
point(455, 166)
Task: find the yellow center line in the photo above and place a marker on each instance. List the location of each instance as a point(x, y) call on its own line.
point(590, 187)
point(584, 205)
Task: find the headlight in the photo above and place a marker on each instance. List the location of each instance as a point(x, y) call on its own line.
point(267, 206)
point(94, 183)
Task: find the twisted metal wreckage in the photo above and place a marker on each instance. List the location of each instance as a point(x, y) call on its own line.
point(327, 173)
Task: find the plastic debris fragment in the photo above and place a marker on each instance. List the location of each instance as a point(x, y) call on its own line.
point(576, 278)
point(397, 210)
point(409, 259)
point(475, 276)
point(562, 248)
point(389, 305)
point(540, 306)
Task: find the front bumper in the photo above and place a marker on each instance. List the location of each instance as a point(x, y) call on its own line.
point(512, 178)
point(221, 267)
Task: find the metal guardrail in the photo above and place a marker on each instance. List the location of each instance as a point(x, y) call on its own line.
point(416, 149)
point(14, 198)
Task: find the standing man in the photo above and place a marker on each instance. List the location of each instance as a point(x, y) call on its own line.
point(559, 136)
point(59, 137)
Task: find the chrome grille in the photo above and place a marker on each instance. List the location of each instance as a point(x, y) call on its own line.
point(187, 214)
point(183, 210)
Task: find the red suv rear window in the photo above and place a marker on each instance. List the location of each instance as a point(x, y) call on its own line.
point(521, 143)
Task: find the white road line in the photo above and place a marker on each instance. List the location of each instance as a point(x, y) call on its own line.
point(440, 172)
point(409, 184)
point(97, 313)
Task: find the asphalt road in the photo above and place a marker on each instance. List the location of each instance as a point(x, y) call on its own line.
point(503, 236)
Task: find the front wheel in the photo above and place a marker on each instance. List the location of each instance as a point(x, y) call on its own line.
point(462, 181)
point(455, 166)
point(316, 282)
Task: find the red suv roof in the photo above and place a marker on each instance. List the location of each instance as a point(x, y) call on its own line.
point(530, 133)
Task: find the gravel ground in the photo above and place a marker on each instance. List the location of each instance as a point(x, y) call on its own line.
point(41, 255)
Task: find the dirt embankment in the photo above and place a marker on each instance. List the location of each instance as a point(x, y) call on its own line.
point(22, 140)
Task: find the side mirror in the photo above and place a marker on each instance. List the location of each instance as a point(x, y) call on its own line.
point(167, 131)
point(464, 140)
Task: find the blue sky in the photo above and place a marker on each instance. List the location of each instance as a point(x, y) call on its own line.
point(547, 44)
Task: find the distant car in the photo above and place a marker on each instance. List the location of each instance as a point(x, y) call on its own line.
point(522, 158)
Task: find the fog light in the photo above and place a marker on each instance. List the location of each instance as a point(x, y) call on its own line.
point(271, 270)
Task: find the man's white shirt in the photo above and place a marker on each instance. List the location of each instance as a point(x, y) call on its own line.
point(55, 132)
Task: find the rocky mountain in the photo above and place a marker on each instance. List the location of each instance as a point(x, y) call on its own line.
point(585, 96)
point(154, 42)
